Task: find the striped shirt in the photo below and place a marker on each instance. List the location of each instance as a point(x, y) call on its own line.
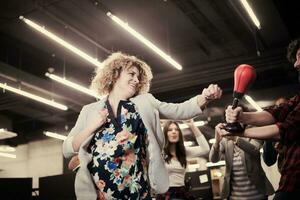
point(241, 186)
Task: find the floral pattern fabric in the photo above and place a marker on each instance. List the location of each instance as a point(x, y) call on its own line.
point(119, 165)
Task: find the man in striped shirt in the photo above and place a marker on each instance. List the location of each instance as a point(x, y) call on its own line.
point(280, 123)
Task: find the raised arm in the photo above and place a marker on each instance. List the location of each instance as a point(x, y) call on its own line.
point(189, 108)
point(217, 150)
point(202, 148)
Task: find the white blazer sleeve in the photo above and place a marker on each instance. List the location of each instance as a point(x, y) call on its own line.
point(68, 150)
point(179, 111)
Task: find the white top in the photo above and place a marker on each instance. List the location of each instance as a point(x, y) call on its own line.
point(176, 171)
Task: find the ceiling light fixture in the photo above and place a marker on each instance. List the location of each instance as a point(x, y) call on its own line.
point(55, 135)
point(60, 41)
point(4, 134)
point(8, 155)
point(211, 164)
point(253, 103)
point(7, 148)
point(197, 123)
point(251, 13)
point(144, 40)
point(73, 85)
point(34, 97)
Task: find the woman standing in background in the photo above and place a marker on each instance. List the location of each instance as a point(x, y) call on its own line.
point(175, 155)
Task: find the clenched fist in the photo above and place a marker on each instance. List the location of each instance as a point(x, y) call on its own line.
point(212, 92)
point(233, 115)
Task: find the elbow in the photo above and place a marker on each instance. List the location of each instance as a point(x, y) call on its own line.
point(68, 150)
point(65, 151)
point(206, 148)
point(206, 152)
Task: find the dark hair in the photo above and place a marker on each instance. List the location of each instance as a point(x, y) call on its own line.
point(292, 50)
point(179, 149)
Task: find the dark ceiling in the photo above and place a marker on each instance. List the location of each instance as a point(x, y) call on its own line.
point(209, 38)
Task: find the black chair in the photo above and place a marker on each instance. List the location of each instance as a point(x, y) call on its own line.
point(15, 188)
point(59, 187)
point(200, 190)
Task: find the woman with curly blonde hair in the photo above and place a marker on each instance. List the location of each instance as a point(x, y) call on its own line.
point(119, 139)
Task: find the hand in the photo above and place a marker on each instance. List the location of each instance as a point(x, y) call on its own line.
point(100, 119)
point(223, 133)
point(233, 115)
point(218, 133)
point(189, 122)
point(212, 92)
point(73, 163)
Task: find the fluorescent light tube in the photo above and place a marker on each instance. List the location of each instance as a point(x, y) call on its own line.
point(34, 97)
point(60, 41)
point(198, 123)
point(8, 155)
point(144, 40)
point(7, 148)
point(55, 135)
point(251, 13)
point(211, 164)
point(4, 134)
point(253, 103)
point(73, 85)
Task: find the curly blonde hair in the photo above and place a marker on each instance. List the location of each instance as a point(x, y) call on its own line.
point(111, 68)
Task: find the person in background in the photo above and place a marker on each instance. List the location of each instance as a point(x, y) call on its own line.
point(244, 176)
point(119, 139)
point(281, 123)
point(175, 155)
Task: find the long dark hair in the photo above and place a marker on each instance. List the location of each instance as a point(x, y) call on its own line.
point(179, 149)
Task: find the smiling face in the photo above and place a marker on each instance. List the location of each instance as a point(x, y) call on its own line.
point(128, 81)
point(173, 133)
